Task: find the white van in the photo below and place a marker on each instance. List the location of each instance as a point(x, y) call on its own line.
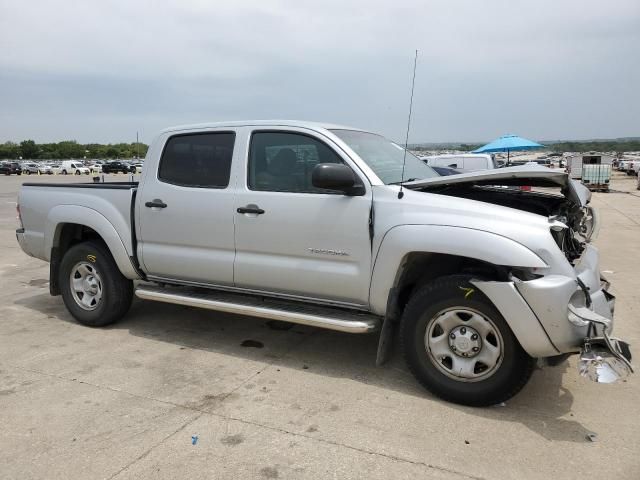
point(465, 162)
point(71, 167)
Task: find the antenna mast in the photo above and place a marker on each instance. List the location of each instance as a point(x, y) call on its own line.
point(406, 139)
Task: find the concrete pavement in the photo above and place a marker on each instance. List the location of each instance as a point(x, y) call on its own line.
point(126, 401)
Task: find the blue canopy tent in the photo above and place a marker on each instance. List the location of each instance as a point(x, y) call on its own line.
point(508, 143)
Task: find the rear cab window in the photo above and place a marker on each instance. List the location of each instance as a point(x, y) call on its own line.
point(201, 160)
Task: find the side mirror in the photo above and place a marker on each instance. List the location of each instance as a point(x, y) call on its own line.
point(335, 176)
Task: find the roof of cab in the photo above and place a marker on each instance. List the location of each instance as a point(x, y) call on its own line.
point(260, 123)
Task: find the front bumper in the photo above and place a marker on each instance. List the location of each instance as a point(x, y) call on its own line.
point(575, 314)
point(603, 359)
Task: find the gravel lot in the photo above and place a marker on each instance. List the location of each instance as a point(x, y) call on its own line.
point(128, 401)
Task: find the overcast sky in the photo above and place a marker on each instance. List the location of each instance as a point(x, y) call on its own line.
point(102, 70)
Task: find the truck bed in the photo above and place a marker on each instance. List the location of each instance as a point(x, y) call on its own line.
point(42, 205)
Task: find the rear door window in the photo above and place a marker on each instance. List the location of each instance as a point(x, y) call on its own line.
point(198, 160)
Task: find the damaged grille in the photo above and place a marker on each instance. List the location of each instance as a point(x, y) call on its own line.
point(579, 229)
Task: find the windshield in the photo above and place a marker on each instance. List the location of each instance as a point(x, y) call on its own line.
point(385, 157)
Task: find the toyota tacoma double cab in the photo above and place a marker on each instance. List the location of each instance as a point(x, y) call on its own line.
point(339, 228)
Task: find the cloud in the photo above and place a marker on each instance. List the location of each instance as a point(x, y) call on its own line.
point(97, 71)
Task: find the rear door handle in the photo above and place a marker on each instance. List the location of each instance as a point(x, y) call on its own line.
point(251, 209)
point(156, 203)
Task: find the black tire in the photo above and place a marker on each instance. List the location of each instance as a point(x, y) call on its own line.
point(64, 172)
point(77, 172)
point(28, 172)
point(508, 377)
point(117, 291)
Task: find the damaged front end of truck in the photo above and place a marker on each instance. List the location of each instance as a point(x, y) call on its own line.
point(571, 298)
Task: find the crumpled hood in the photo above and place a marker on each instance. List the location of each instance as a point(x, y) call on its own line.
point(534, 176)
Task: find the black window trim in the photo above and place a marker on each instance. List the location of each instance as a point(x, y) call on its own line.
point(304, 134)
point(191, 134)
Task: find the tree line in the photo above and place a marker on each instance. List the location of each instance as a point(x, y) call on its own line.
point(70, 149)
point(597, 146)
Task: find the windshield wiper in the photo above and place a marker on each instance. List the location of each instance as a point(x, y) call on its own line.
point(403, 181)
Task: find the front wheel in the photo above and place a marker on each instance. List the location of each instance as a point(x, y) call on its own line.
point(28, 172)
point(459, 347)
point(78, 172)
point(64, 172)
point(93, 289)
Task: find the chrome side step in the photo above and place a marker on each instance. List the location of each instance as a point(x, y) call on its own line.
point(303, 314)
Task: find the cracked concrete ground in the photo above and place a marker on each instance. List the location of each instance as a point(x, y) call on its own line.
point(170, 392)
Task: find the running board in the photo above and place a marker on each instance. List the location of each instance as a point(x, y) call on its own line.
point(293, 312)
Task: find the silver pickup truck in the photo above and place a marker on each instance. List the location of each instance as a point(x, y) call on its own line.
point(339, 228)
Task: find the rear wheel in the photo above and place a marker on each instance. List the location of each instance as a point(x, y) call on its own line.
point(93, 289)
point(77, 172)
point(64, 172)
point(28, 172)
point(459, 347)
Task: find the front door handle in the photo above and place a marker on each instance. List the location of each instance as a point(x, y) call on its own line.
point(156, 203)
point(251, 209)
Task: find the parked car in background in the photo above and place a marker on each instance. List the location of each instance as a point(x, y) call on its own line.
point(10, 168)
point(71, 167)
point(115, 167)
point(137, 167)
point(467, 162)
point(627, 166)
point(29, 168)
point(95, 167)
point(36, 168)
point(545, 162)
